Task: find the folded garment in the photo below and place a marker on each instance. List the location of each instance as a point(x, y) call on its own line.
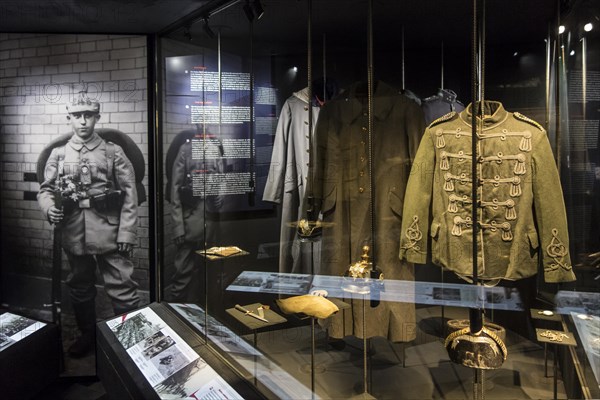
point(314, 306)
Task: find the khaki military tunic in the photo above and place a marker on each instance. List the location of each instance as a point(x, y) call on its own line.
point(521, 212)
point(86, 230)
point(343, 186)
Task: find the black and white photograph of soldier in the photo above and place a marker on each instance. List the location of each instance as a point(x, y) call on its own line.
point(191, 214)
point(67, 96)
point(97, 216)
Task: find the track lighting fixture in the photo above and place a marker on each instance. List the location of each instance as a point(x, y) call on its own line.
point(254, 10)
point(258, 9)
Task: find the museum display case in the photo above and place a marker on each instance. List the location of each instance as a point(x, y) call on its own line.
point(337, 198)
point(326, 147)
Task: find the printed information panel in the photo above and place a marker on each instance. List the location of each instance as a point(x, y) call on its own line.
point(15, 327)
point(217, 105)
point(167, 362)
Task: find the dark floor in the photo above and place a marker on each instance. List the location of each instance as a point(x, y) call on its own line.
point(74, 388)
point(77, 380)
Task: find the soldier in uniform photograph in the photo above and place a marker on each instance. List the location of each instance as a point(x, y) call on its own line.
point(191, 214)
point(97, 215)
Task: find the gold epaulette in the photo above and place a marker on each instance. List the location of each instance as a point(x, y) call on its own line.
point(521, 117)
point(443, 118)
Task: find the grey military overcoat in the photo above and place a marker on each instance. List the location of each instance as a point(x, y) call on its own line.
point(288, 174)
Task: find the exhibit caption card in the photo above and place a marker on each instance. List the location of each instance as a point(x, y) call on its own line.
point(168, 363)
point(14, 328)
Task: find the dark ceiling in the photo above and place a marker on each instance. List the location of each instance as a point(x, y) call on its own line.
point(284, 22)
point(93, 16)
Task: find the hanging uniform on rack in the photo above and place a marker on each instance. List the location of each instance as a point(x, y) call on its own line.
point(440, 104)
point(520, 202)
point(342, 182)
point(288, 178)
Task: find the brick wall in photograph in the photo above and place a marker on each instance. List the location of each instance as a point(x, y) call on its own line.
point(39, 74)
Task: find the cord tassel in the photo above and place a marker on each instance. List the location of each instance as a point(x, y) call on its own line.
point(520, 167)
point(456, 229)
point(515, 188)
point(449, 185)
point(444, 165)
point(452, 207)
point(440, 141)
point(511, 213)
point(507, 235)
point(525, 144)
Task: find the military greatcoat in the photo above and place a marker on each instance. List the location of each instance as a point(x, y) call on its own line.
point(288, 178)
point(521, 212)
point(342, 184)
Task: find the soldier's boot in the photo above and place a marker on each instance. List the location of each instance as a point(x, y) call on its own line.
point(85, 315)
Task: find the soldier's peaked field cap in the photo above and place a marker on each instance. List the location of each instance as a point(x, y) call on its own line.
point(82, 103)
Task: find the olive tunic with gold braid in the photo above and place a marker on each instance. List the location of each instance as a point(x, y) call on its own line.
point(520, 204)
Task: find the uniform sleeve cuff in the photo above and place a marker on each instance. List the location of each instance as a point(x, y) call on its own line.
point(413, 256)
point(559, 275)
point(126, 237)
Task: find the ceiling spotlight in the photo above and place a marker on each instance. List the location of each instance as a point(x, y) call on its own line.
point(572, 53)
point(258, 9)
point(561, 29)
point(209, 32)
point(516, 53)
point(248, 11)
point(588, 27)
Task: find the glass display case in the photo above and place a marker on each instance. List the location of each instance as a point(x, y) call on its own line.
point(332, 169)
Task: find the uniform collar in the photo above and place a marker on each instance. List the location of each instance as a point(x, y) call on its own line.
point(495, 114)
point(383, 100)
point(302, 94)
point(77, 143)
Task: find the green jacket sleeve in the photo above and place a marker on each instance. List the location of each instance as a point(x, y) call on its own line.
point(417, 204)
point(550, 214)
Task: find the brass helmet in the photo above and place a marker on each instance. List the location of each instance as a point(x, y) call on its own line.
point(483, 350)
